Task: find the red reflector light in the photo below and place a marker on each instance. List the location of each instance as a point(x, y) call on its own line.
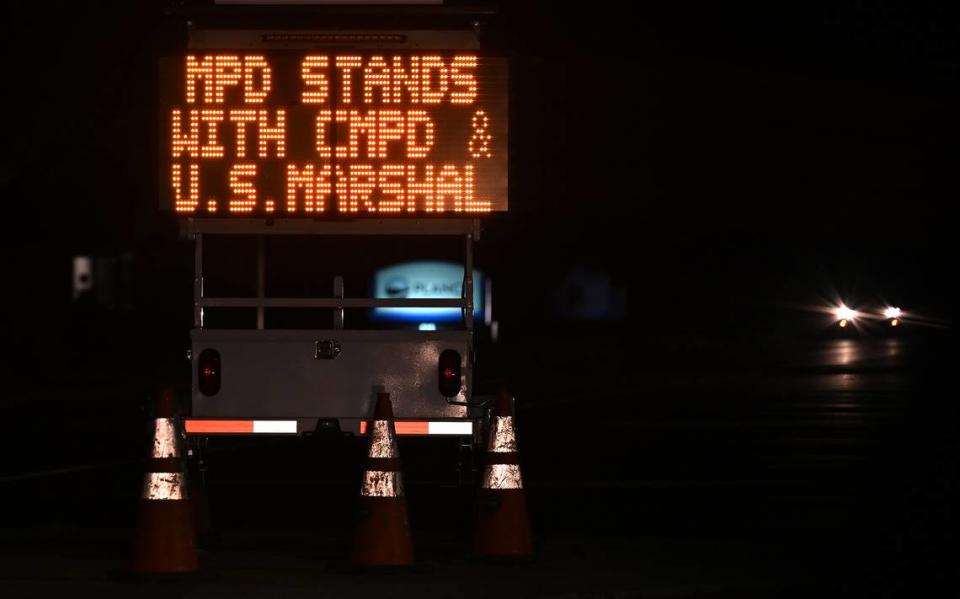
point(450, 370)
point(208, 372)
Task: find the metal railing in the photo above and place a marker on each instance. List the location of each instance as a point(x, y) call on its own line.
point(196, 229)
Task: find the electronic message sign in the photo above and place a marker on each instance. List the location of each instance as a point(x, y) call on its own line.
point(284, 133)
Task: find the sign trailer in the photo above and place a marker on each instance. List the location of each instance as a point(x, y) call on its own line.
point(332, 133)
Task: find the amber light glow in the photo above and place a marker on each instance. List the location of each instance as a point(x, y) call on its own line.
point(299, 134)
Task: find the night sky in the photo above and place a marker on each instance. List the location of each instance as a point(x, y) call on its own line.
point(719, 163)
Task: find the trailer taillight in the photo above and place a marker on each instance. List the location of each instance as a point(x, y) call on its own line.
point(450, 371)
point(208, 372)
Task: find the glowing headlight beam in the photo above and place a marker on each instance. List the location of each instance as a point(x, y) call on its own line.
point(891, 313)
point(843, 312)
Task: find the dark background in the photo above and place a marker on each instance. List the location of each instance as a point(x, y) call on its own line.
point(736, 170)
point(725, 165)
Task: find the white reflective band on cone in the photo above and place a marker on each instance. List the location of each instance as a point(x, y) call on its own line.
point(502, 476)
point(165, 443)
point(163, 485)
point(378, 483)
point(383, 441)
point(502, 437)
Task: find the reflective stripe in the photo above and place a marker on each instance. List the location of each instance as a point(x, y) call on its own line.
point(427, 427)
point(502, 476)
point(196, 426)
point(219, 426)
point(165, 442)
point(383, 443)
point(412, 428)
point(163, 485)
point(275, 426)
point(450, 428)
point(377, 483)
point(502, 437)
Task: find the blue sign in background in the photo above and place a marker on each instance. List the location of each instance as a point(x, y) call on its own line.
point(424, 280)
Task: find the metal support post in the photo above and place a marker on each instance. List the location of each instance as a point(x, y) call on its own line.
point(261, 267)
point(198, 281)
point(338, 293)
point(466, 465)
point(468, 283)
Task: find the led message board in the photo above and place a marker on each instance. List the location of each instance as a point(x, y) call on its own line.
point(287, 133)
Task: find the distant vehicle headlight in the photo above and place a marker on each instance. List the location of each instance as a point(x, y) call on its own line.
point(844, 313)
point(892, 313)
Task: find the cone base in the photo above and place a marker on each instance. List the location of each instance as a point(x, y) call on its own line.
point(165, 539)
point(503, 527)
point(382, 535)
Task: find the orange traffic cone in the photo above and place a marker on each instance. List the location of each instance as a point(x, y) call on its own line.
point(382, 535)
point(165, 539)
point(502, 527)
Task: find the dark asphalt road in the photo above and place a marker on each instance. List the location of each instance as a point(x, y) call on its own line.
point(823, 469)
